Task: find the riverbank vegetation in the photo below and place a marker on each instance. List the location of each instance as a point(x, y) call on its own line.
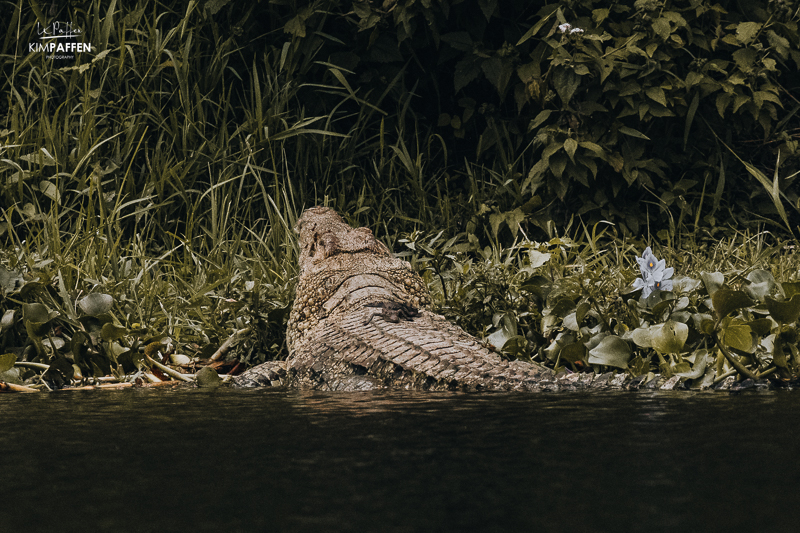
point(520, 155)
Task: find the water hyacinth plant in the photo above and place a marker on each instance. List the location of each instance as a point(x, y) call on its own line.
point(655, 274)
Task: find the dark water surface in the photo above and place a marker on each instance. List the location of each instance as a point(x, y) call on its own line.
point(228, 460)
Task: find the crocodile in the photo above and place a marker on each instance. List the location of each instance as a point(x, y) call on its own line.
point(361, 321)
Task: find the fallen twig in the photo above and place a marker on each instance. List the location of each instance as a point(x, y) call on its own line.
point(37, 366)
point(167, 370)
point(227, 344)
point(11, 387)
point(106, 386)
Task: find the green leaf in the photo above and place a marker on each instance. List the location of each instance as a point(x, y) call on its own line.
point(657, 94)
point(498, 72)
point(790, 288)
point(7, 319)
point(573, 352)
point(96, 304)
point(690, 118)
point(739, 336)
point(36, 316)
point(566, 83)
point(759, 284)
point(570, 145)
point(466, 71)
point(785, 312)
point(747, 31)
point(643, 337)
point(712, 281)
point(625, 130)
point(488, 7)
point(670, 337)
point(499, 338)
point(7, 361)
point(727, 301)
point(540, 118)
point(662, 28)
point(110, 332)
point(612, 351)
point(761, 326)
point(701, 359)
point(10, 280)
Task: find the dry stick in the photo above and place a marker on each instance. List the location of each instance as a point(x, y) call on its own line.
point(37, 366)
point(107, 386)
point(227, 344)
point(11, 387)
point(167, 370)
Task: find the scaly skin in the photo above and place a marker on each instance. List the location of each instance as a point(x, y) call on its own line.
point(360, 321)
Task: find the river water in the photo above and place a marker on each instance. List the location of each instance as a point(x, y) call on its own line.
point(227, 460)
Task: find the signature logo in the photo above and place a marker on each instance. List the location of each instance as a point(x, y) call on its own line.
point(49, 40)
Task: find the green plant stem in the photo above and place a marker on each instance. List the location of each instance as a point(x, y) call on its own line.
point(724, 376)
point(767, 372)
point(733, 361)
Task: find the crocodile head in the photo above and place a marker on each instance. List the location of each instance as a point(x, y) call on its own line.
point(342, 269)
point(323, 234)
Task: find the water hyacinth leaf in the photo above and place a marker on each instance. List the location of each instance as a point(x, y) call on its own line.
point(712, 281)
point(785, 312)
point(111, 332)
point(684, 284)
point(96, 304)
point(760, 284)
point(508, 329)
point(670, 337)
point(643, 337)
point(53, 344)
point(739, 337)
point(701, 359)
point(10, 280)
point(761, 326)
point(573, 352)
point(7, 361)
point(538, 286)
point(790, 288)
point(36, 317)
point(35, 312)
point(563, 307)
point(563, 339)
point(515, 345)
point(581, 311)
point(661, 307)
point(8, 319)
point(727, 301)
point(571, 322)
point(612, 351)
point(60, 372)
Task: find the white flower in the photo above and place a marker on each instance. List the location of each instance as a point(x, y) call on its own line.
point(564, 28)
point(655, 274)
point(575, 30)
